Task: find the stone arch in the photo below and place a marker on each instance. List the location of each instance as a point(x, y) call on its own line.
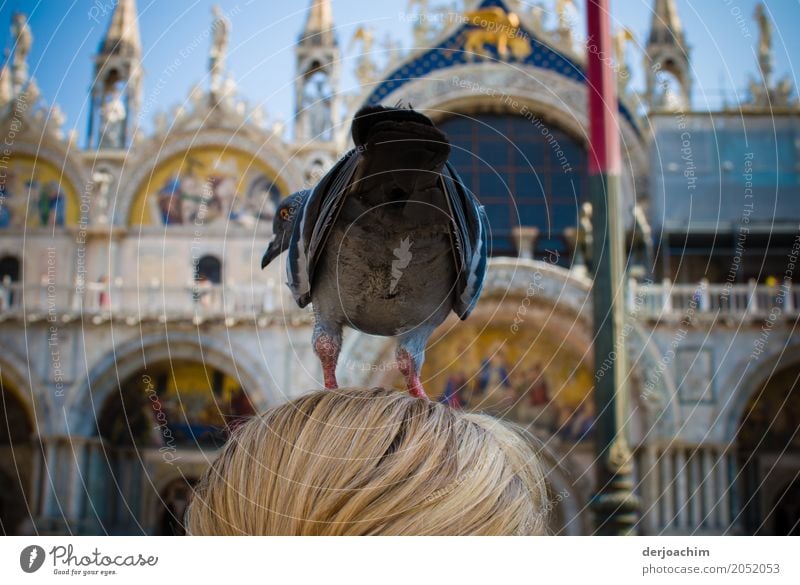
point(17, 452)
point(273, 156)
point(131, 357)
point(745, 380)
point(510, 87)
point(18, 381)
point(55, 153)
point(760, 428)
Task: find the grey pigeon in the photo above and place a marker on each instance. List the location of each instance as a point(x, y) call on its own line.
point(389, 242)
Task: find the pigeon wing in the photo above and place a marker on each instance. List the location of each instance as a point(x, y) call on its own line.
point(313, 225)
point(470, 241)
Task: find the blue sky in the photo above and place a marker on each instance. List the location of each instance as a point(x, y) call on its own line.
point(721, 33)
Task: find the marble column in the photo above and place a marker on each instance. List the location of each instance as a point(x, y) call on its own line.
point(525, 240)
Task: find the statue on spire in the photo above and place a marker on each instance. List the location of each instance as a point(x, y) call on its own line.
point(23, 39)
point(764, 43)
point(113, 119)
point(620, 40)
point(422, 27)
point(765, 93)
point(220, 27)
point(366, 70)
point(565, 22)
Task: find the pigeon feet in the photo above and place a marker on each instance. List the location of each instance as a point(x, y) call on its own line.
point(327, 349)
point(405, 362)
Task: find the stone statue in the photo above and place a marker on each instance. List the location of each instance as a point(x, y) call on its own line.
point(391, 48)
point(642, 242)
point(6, 89)
point(365, 67)
point(764, 42)
point(537, 18)
point(561, 12)
point(220, 27)
point(112, 121)
point(422, 27)
point(102, 179)
point(564, 25)
point(621, 39)
point(585, 238)
point(23, 39)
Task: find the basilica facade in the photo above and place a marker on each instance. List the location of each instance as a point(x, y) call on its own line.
point(137, 327)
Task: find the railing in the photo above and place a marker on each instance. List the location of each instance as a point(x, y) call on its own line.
point(662, 301)
point(196, 301)
point(703, 300)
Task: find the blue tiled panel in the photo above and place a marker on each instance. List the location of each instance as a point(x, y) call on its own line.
point(704, 166)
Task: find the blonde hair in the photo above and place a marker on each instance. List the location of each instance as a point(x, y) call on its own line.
point(358, 462)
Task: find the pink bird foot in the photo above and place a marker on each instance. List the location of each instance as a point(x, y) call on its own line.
point(409, 370)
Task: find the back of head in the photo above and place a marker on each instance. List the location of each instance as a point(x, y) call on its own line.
point(358, 461)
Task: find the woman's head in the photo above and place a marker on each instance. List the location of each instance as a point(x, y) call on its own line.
point(358, 461)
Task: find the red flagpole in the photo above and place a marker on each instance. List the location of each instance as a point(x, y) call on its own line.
point(614, 503)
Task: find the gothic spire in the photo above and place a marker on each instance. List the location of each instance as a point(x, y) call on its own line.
point(122, 37)
point(116, 84)
point(319, 25)
point(665, 25)
point(667, 59)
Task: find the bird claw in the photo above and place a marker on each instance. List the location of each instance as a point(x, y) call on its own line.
point(408, 368)
point(415, 389)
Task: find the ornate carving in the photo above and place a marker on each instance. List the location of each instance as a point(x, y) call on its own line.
point(220, 28)
point(496, 28)
point(366, 69)
point(23, 40)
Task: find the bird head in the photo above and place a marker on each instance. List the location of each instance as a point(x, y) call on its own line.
point(282, 226)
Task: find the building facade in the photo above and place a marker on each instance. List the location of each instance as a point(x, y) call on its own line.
point(137, 328)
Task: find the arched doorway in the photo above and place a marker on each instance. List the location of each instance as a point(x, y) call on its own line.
point(768, 450)
point(208, 269)
point(525, 172)
point(175, 499)
point(16, 454)
point(161, 419)
point(9, 273)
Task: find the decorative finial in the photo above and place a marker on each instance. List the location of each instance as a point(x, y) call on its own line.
point(23, 40)
point(765, 92)
point(422, 27)
point(764, 44)
point(220, 29)
point(564, 23)
point(621, 39)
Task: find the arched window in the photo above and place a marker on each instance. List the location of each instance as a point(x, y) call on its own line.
point(178, 404)
point(525, 172)
point(9, 268)
point(9, 273)
point(16, 456)
point(263, 197)
point(174, 501)
point(769, 456)
point(208, 269)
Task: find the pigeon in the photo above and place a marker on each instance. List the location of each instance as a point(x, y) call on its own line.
point(388, 242)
